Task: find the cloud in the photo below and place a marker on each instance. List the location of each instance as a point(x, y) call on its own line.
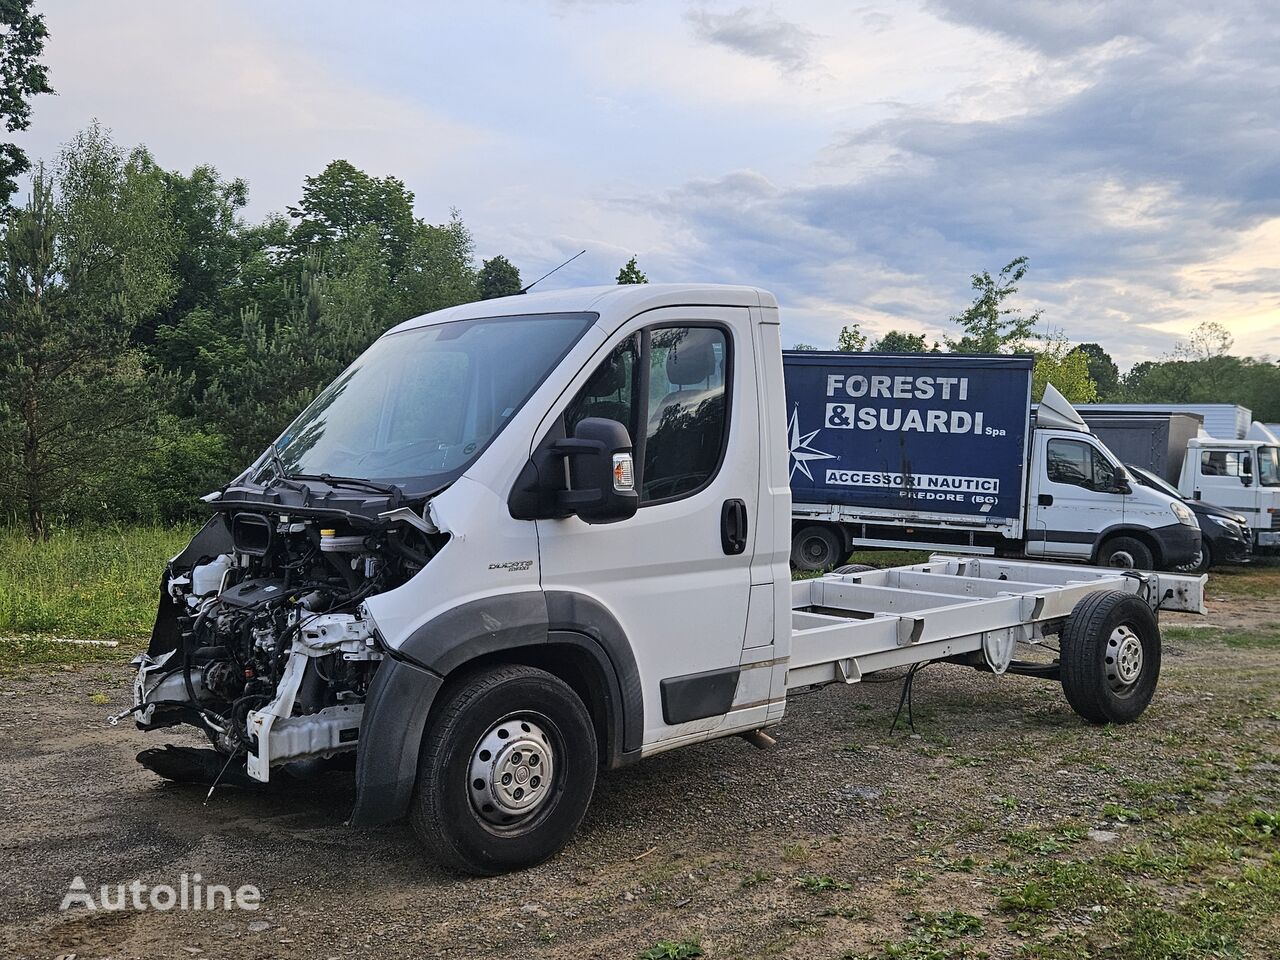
point(758, 33)
point(1160, 158)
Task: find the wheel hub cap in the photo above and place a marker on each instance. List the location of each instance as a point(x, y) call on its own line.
point(1124, 658)
point(511, 771)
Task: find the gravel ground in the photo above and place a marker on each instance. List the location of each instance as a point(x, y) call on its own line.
point(713, 842)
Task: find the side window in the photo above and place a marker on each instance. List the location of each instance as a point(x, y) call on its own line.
point(1225, 463)
point(1069, 461)
point(1081, 465)
point(1104, 471)
point(687, 410)
point(611, 391)
point(668, 386)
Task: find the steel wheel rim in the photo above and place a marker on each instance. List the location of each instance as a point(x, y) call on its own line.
point(816, 550)
point(512, 772)
point(1124, 659)
point(1122, 558)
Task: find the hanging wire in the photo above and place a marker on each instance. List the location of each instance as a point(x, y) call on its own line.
point(906, 697)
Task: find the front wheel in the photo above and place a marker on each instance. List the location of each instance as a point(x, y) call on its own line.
point(1126, 552)
point(507, 770)
point(1202, 562)
point(1110, 657)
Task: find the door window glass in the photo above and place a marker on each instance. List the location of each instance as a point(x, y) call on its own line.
point(1079, 464)
point(678, 424)
point(1225, 463)
point(685, 433)
point(611, 391)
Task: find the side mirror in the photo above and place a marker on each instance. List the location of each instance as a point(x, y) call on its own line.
point(1246, 480)
point(1123, 487)
point(600, 473)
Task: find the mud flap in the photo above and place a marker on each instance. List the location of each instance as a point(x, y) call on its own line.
point(395, 716)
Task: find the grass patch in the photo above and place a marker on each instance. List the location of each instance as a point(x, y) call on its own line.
point(86, 583)
point(1256, 581)
point(934, 936)
point(1255, 638)
point(672, 950)
point(817, 884)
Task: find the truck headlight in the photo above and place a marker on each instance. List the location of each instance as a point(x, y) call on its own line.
point(1183, 513)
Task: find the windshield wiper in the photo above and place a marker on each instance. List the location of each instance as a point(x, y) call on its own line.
point(281, 475)
point(355, 482)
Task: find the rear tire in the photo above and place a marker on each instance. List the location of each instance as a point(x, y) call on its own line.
point(1128, 553)
point(507, 770)
point(1110, 657)
point(854, 568)
point(816, 549)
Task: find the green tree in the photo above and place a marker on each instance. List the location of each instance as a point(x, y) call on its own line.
point(22, 77)
point(86, 258)
point(803, 346)
point(897, 342)
point(286, 360)
point(989, 325)
point(1064, 367)
point(1102, 369)
point(498, 278)
point(341, 202)
point(851, 339)
point(211, 244)
point(1207, 341)
point(631, 273)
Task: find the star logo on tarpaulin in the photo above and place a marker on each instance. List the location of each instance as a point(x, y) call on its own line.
point(801, 453)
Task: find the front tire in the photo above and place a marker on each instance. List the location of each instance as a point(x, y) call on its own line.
point(816, 548)
point(1110, 650)
point(1128, 553)
point(1202, 562)
point(507, 770)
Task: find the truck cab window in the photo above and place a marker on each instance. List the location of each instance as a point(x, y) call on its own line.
point(685, 434)
point(611, 391)
point(1225, 463)
point(678, 423)
point(1079, 464)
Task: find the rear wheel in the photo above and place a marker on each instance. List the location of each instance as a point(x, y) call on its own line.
point(1110, 657)
point(854, 568)
point(816, 548)
point(1127, 552)
point(507, 770)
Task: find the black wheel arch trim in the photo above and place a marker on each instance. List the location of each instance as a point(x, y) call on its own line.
point(409, 678)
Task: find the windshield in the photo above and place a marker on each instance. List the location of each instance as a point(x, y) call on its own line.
point(424, 403)
point(1269, 466)
point(1151, 480)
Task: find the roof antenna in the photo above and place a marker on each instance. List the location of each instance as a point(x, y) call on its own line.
point(549, 272)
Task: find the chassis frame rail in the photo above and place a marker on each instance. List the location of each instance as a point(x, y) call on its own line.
point(845, 626)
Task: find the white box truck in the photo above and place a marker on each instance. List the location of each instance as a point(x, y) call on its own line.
point(524, 540)
point(1237, 473)
point(944, 451)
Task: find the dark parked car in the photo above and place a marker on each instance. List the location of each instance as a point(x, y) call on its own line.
point(1224, 534)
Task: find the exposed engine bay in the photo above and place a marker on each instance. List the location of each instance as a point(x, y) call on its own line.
point(261, 640)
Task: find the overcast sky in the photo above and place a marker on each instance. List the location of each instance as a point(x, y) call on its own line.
point(860, 160)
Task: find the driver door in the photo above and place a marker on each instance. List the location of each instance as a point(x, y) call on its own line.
point(682, 381)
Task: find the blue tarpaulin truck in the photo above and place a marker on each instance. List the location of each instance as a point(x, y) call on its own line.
point(926, 451)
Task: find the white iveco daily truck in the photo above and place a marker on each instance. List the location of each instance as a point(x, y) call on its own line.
point(521, 540)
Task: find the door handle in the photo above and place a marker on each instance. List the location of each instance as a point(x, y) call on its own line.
point(1045, 500)
point(733, 527)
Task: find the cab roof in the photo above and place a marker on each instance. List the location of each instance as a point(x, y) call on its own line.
point(615, 304)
